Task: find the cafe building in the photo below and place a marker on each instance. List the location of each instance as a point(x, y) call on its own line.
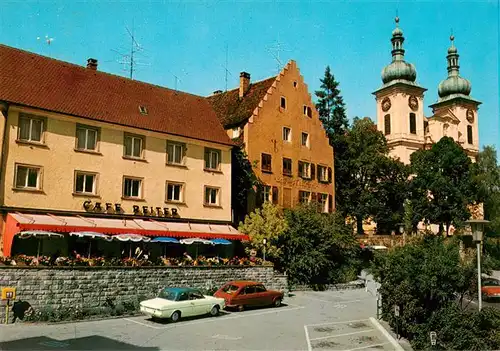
point(87, 153)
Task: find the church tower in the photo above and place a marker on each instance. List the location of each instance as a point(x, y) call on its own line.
point(455, 112)
point(400, 101)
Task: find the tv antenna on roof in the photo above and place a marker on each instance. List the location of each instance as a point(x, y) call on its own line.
point(47, 39)
point(225, 67)
point(129, 60)
point(275, 51)
point(177, 79)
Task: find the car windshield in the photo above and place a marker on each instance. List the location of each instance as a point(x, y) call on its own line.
point(167, 295)
point(491, 282)
point(230, 289)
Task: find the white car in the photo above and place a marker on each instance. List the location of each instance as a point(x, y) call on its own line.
point(175, 303)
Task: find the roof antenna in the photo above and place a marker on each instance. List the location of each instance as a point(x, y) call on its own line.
point(225, 67)
point(129, 60)
point(177, 79)
point(275, 50)
point(47, 39)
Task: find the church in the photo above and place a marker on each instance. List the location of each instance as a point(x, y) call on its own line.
point(400, 106)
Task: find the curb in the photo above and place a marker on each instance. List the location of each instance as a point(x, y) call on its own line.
point(389, 337)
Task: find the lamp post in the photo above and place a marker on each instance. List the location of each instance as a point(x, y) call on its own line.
point(264, 241)
point(477, 227)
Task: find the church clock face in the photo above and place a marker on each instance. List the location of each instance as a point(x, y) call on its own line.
point(386, 104)
point(470, 116)
point(413, 103)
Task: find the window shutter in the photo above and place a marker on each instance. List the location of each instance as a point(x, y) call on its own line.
point(275, 195)
point(313, 171)
point(184, 148)
point(330, 203)
point(329, 174)
point(300, 168)
point(207, 158)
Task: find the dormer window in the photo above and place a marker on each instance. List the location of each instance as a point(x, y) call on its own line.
point(143, 110)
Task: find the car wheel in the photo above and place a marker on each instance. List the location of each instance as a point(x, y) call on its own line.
point(277, 302)
point(175, 316)
point(214, 311)
point(241, 308)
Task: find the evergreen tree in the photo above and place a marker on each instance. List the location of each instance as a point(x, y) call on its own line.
point(331, 106)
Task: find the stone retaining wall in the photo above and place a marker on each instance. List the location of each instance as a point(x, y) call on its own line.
point(93, 286)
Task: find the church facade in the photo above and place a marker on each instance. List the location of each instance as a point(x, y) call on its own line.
point(400, 106)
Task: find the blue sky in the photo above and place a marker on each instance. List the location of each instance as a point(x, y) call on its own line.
point(188, 39)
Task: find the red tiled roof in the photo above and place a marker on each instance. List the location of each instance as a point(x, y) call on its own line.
point(232, 110)
point(32, 80)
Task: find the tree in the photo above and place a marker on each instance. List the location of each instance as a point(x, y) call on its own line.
point(359, 170)
point(318, 248)
point(267, 223)
point(444, 185)
point(488, 180)
point(331, 107)
point(428, 280)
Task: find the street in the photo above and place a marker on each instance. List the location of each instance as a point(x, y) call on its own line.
point(333, 320)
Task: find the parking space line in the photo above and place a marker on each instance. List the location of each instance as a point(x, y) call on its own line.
point(217, 319)
point(309, 348)
point(345, 334)
point(366, 347)
point(339, 322)
point(334, 302)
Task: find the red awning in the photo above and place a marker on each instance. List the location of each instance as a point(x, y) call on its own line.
point(17, 222)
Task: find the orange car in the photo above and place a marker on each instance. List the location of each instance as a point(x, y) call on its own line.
point(490, 288)
point(242, 294)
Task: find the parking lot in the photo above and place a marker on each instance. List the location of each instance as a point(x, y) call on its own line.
point(333, 320)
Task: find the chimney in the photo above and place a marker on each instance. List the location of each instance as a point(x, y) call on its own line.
point(244, 83)
point(217, 92)
point(92, 64)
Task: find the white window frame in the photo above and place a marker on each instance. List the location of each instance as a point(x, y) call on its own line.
point(176, 146)
point(87, 129)
point(38, 170)
point(302, 139)
point(209, 203)
point(306, 170)
point(322, 173)
point(287, 139)
point(323, 201)
point(308, 195)
point(267, 193)
point(31, 118)
point(94, 183)
point(181, 192)
point(140, 190)
point(133, 138)
point(213, 153)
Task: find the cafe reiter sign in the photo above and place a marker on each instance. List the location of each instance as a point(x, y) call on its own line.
point(116, 208)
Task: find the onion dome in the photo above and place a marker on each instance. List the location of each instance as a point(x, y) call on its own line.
point(454, 84)
point(398, 69)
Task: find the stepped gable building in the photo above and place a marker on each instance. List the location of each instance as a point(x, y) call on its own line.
point(400, 102)
point(86, 150)
point(277, 125)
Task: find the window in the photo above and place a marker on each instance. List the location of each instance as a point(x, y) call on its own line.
point(304, 170)
point(28, 177)
point(307, 111)
point(85, 183)
point(31, 128)
point(175, 153)
point(212, 159)
point(132, 187)
point(143, 110)
point(211, 196)
point(322, 174)
point(283, 102)
point(469, 135)
point(323, 203)
point(260, 289)
point(304, 197)
point(305, 139)
point(287, 134)
point(295, 84)
point(387, 124)
point(413, 124)
point(266, 163)
point(86, 138)
point(133, 146)
point(266, 193)
point(287, 166)
point(175, 192)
